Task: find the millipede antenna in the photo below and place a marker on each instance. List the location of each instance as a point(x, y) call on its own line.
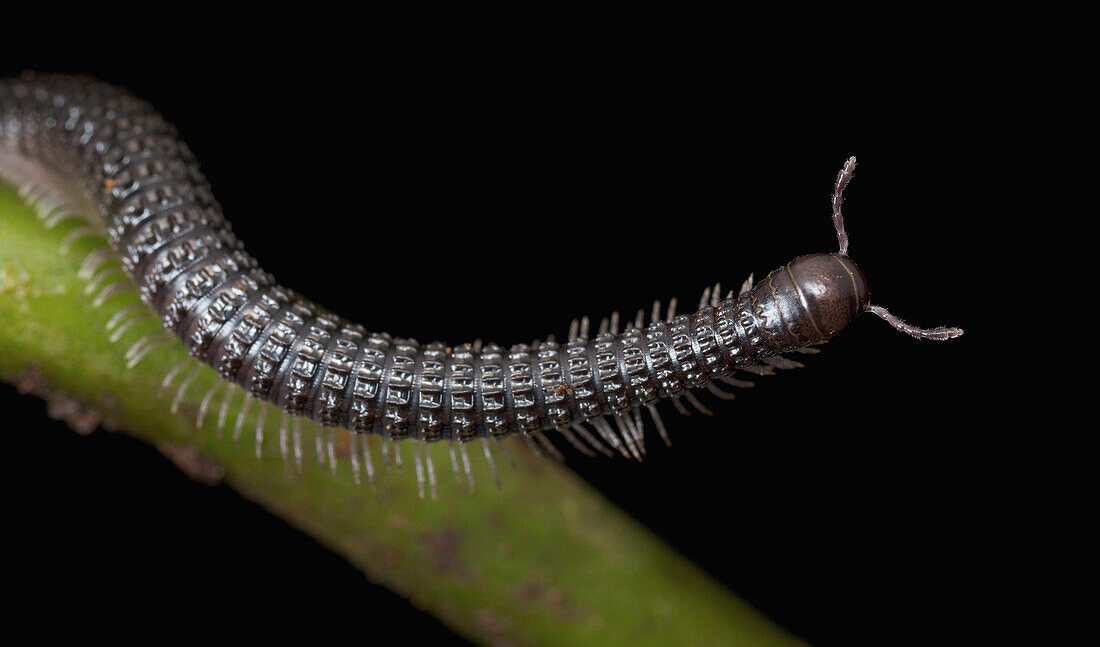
point(847, 172)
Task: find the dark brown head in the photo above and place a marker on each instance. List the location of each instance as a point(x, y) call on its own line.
point(831, 290)
point(810, 299)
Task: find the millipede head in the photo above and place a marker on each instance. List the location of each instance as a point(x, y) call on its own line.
point(831, 290)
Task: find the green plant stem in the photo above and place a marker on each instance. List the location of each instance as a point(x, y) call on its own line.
point(541, 560)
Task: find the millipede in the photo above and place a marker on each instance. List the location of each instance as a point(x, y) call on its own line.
point(78, 148)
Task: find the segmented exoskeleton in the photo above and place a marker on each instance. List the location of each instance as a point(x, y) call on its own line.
point(162, 220)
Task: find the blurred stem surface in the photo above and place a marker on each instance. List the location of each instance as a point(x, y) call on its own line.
point(542, 560)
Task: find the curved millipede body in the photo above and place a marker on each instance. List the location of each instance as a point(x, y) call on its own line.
point(174, 243)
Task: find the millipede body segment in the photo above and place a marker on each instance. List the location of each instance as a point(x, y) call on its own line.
point(174, 242)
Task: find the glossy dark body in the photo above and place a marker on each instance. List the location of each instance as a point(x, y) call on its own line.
point(175, 243)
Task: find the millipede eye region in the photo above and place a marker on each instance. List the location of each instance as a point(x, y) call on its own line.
point(297, 379)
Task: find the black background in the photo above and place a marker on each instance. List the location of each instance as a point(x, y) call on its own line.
point(462, 190)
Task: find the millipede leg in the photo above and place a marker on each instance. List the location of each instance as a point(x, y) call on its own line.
point(396, 454)
point(591, 440)
point(136, 347)
point(223, 411)
point(386, 455)
point(489, 460)
point(240, 419)
point(639, 424)
point(333, 465)
point(261, 418)
point(97, 280)
point(466, 465)
point(431, 469)
point(284, 446)
point(319, 447)
point(140, 355)
point(118, 287)
point(94, 260)
point(725, 395)
point(419, 469)
point(704, 299)
point(626, 428)
point(171, 375)
point(174, 408)
point(741, 384)
point(454, 459)
point(204, 405)
point(572, 440)
point(59, 217)
point(746, 287)
point(296, 432)
point(784, 363)
point(608, 435)
point(353, 456)
point(129, 323)
point(504, 452)
point(656, 415)
point(547, 445)
point(532, 445)
point(368, 461)
point(75, 235)
point(121, 314)
point(690, 397)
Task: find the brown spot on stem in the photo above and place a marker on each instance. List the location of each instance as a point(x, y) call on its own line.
point(497, 631)
point(534, 592)
point(445, 548)
point(79, 415)
point(17, 282)
point(194, 463)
